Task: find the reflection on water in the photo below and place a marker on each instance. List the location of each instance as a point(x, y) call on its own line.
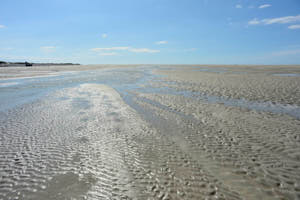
point(19, 91)
point(8, 84)
point(210, 69)
point(276, 108)
point(288, 75)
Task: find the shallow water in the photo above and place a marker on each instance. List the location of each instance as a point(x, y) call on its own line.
point(210, 69)
point(276, 108)
point(8, 84)
point(25, 90)
point(288, 75)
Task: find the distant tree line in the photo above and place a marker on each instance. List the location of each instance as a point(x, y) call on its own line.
point(28, 64)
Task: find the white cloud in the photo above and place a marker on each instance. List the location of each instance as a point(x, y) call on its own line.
point(136, 50)
point(104, 35)
point(143, 50)
point(238, 6)
point(264, 6)
point(2, 26)
point(279, 20)
point(253, 22)
point(48, 48)
point(108, 54)
point(282, 20)
point(111, 49)
point(161, 42)
point(297, 26)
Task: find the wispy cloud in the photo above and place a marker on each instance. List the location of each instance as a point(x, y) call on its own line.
point(264, 6)
point(282, 20)
point(161, 42)
point(297, 26)
point(2, 26)
point(238, 6)
point(110, 49)
point(108, 54)
point(143, 50)
point(279, 20)
point(48, 48)
point(104, 35)
point(125, 48)
point(254, 21)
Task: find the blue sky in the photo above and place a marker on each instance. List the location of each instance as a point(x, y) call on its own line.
point(151, 31)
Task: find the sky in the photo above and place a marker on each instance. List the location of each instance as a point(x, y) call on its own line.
point(151, 31)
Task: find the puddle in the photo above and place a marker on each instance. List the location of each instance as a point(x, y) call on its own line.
point(275, 108)
point(124, 81)
point(8, 84)
point(227, 175)
point(287, 75)
point(208, 69)
point(199, 68)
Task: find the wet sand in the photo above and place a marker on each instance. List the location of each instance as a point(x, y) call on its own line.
point(151, 132)
point(255, 83)
point(39, 71)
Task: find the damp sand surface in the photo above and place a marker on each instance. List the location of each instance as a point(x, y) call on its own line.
point(150, 132)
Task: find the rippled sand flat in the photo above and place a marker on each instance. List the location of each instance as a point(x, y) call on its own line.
point(151, 132)
point(258, 83)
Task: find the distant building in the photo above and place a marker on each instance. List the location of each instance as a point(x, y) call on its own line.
point(27, 64)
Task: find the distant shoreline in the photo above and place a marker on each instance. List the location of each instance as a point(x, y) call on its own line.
point(29, 64)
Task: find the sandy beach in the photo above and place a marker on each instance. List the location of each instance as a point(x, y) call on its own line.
point(150, 132)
